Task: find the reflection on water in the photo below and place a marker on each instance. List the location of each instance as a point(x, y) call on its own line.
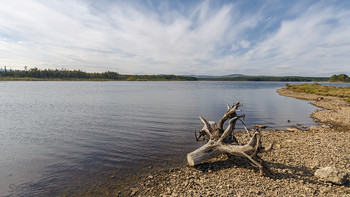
point(54, 135)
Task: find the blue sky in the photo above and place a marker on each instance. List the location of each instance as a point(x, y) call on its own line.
point(306, 38)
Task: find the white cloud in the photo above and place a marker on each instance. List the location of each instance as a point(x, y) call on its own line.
point(314, 43)
point(244, 44)
point(129, 37)
point(300, 43)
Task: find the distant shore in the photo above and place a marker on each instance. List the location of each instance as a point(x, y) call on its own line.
point(180, 78)
point(35, 74)
point(162, 78)
point(296, 155)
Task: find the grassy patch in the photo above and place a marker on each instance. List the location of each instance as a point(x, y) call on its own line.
point(342, 92)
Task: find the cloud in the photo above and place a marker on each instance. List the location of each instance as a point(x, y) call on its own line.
point(312, 42)
point(299, 44)
point(170, 37)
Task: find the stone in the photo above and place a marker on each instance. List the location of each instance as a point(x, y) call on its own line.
point(314, 128)
point(325, 126)
point(186, 183)
point(292, 129)
point(168, 190)
point(331, 174)
point(133, 191)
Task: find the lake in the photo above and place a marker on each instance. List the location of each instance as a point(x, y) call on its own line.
point(61, 136)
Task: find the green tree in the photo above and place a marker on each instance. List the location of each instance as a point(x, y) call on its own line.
point(340, 78)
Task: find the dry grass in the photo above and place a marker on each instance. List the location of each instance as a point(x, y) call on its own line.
point(342, 92)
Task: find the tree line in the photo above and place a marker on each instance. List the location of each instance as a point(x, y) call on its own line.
point(340, 78)
point(64, 74)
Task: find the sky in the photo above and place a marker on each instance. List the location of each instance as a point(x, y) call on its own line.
point(252, 37)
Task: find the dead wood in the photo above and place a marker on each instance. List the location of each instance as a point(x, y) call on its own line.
point(222, 140)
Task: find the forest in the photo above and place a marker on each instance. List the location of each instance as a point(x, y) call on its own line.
point(64, 74)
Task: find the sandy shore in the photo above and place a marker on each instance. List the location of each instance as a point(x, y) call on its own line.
point(296, 155)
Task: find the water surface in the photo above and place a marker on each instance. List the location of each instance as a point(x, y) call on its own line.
point(55, 136)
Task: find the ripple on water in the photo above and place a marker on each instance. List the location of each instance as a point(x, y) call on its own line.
point(57, 135)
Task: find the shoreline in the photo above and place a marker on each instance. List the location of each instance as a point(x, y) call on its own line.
point(296, 155)
point(335, 111)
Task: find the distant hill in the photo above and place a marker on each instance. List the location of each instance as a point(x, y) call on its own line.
point(241, 77)
point(216, 77)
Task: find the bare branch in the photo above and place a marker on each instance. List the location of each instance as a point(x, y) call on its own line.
point(231, 112)
point(267, 149)
point(201, 134)
point(253, 141)
point(257, 145)
point(229, 129)
point(195, 134)
point(245, 127)
point(213, 125)
point(206, 128)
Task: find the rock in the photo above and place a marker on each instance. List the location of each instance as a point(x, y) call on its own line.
point(292, 129)
point(314, 164)
point(168, 190)
point(261, 126)
point(326, 126)
point(133, 191)
point(314, 128)
point(331, 174)
point(186, 183)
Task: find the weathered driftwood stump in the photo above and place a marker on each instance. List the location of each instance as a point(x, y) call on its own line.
point(224, 141)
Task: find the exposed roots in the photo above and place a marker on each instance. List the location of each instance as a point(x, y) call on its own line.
point(222, 140)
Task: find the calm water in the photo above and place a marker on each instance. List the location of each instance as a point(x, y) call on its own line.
point(55, 136)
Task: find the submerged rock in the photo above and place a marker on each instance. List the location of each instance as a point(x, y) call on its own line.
point(331, 174)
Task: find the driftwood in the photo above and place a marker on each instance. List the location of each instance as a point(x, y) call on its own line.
point(224, 141)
